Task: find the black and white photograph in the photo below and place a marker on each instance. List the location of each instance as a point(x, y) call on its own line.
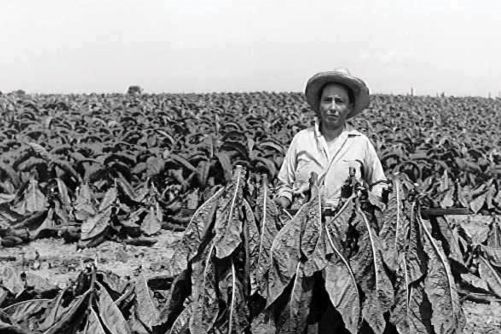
point(250, 167)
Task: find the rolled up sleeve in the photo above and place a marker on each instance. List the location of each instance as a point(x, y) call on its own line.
point(374, 172)
point(286, 175)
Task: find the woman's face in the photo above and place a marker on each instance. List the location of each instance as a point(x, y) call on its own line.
point(334, 106)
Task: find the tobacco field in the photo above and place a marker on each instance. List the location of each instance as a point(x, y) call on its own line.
point(92, 176)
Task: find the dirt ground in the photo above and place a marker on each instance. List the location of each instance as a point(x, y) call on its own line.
point(60, 262)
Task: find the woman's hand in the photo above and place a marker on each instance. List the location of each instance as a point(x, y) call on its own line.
point(283, 202)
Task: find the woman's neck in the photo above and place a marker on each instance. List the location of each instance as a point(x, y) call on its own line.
point(331, 133)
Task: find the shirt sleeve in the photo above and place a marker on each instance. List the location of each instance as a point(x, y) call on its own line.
point(286, 175)
point(374, 170)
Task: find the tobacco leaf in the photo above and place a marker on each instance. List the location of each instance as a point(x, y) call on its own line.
point(94, 226)
point(252, 247)
point(152, 223)
point(109, 313)
point(146, 309)
point(285, 255)
point(71, 318)
point(47, 224)
point(312, 226)
point(439, 285)
point(33, 200)
point(195, 234)
point(292, 318)
point(6, 198)
point(8, 328)
point(21, 313)
point(179, 290)
point(236, 318)
point(415, 256)
point(109, 199)
point(205, 305)
point(313, 242)
point(268, 218)
point(342, 287)
point(135, 325)
point(339, 226)
point(493, 254)
point(490, 275)
point(263, 323)
point(449, 240)
point(367, 265)
point(11, 280)
point(93, 325)
point(63, 193)
point(395, 226)
point(54, 308)
point(84, 207)
point(412, 311)
point(181, 324)
point(228, 226)
point(475, 281)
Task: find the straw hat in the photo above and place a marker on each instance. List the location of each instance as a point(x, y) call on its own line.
point(342, 76)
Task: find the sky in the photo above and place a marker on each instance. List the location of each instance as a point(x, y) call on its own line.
point(181, 46)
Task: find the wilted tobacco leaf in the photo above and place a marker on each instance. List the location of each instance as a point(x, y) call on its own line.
point(267, 216)
point(342, 288)
point(367, 265)
point(93, 325)
point(395, 226)
point(293, 317)
point(338, 226)
point(179, 290)
point(412, 311)
point(71, 317)
point(490, 275)
point(285, 255)
point(109, 314)
point(252, 246)
point(94, 226)
point(312, 242)
point(205, 305)
point(237, 312)
point(440, 288)
point(33, 200)
point(135, 325)
point(151, 224)
point(22, 312)
point(146, 309)
point(451, 245)
point(194, 235)
point(181, 324)
point(415, 256)
point(228, 226)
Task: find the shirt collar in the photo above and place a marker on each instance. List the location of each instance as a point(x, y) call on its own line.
point(348, 129)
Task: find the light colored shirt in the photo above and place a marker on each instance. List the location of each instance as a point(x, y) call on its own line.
point(309, 152)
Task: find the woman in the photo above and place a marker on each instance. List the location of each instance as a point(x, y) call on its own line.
point(331, 147)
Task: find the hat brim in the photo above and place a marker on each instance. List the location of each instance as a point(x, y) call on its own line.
point(360, 90)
